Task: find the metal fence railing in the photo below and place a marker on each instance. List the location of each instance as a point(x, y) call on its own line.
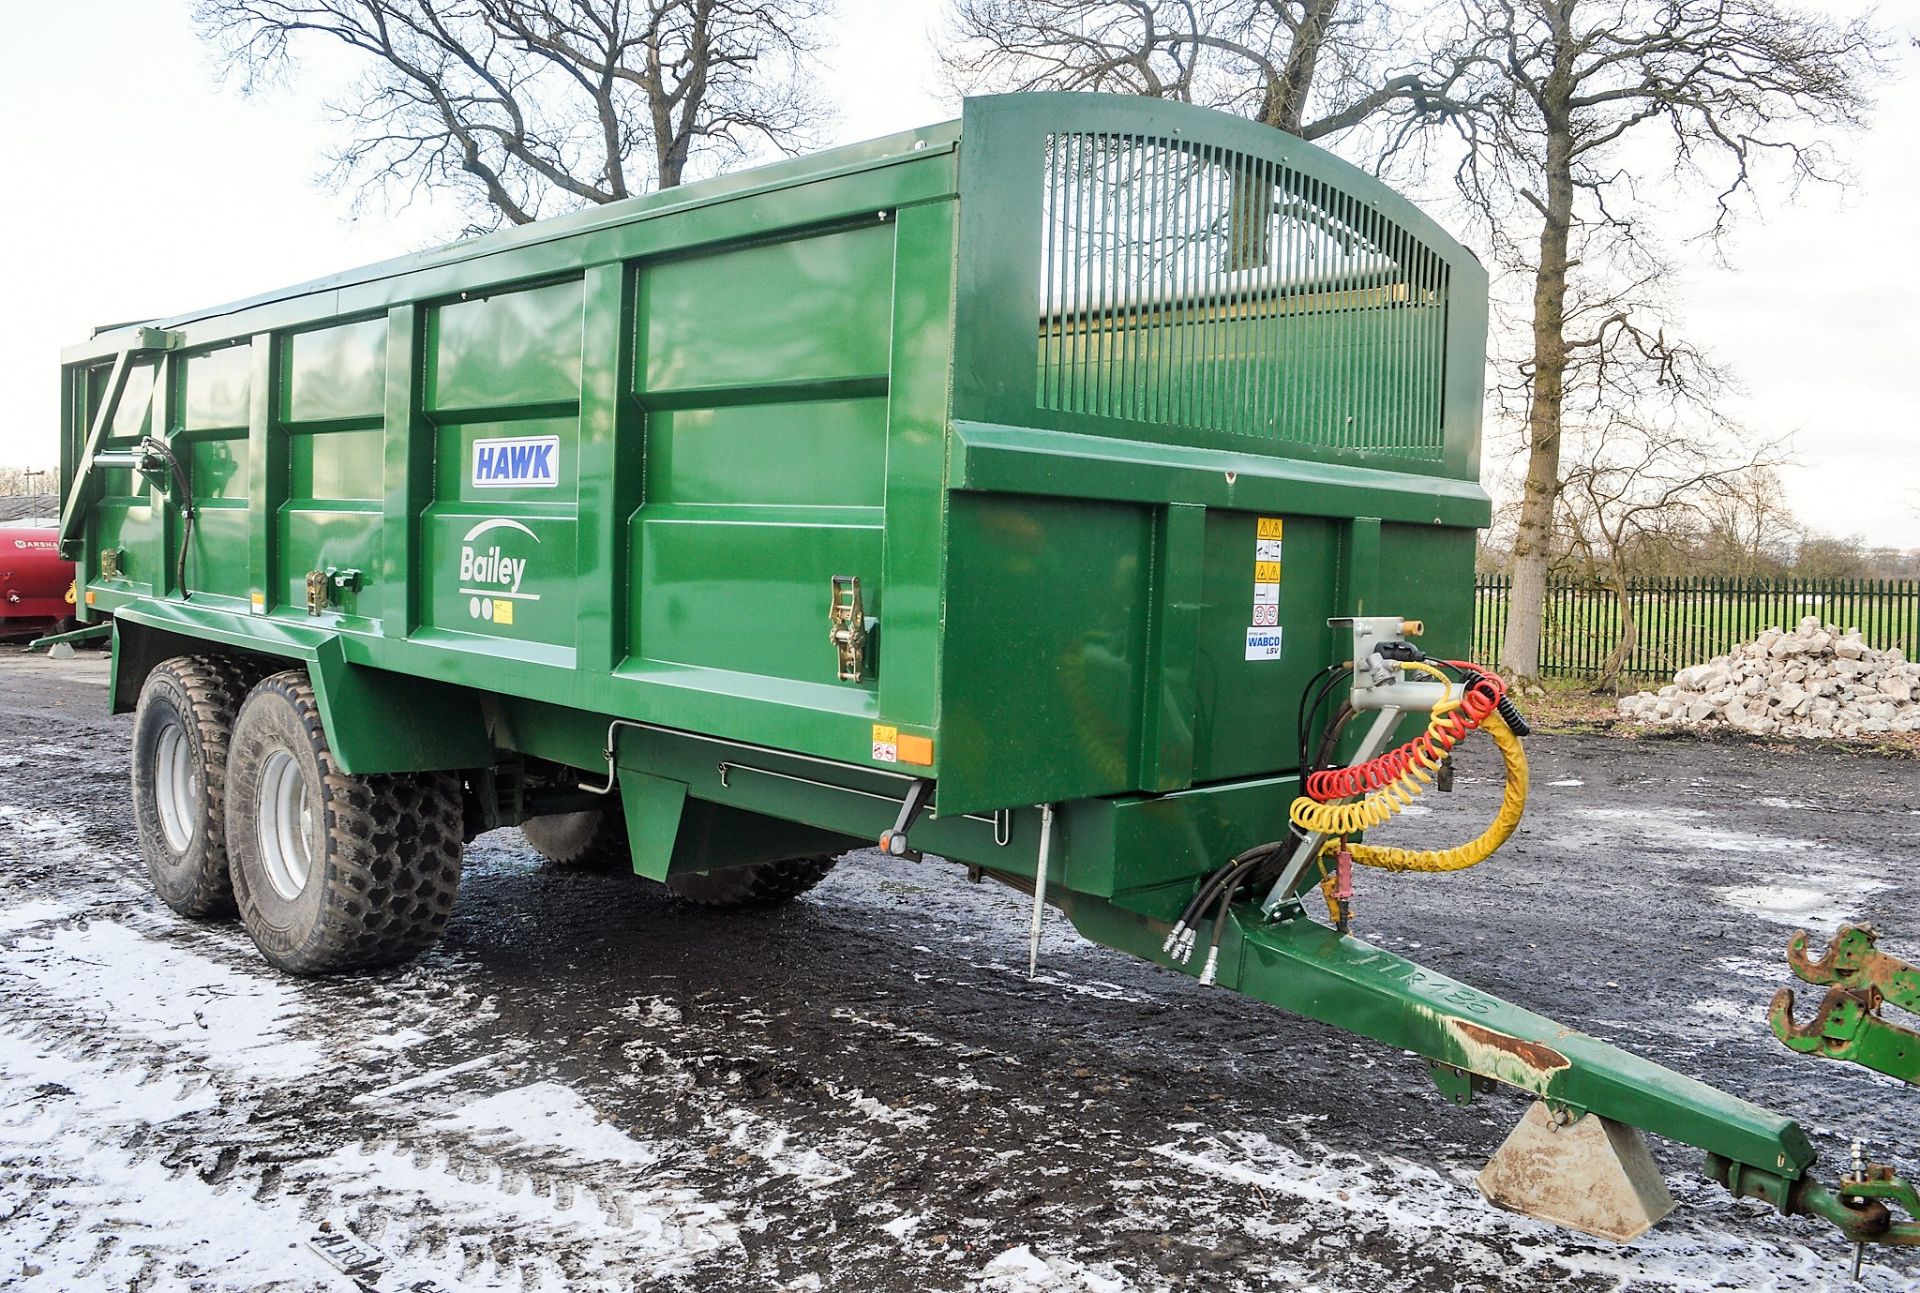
point(1683, 620)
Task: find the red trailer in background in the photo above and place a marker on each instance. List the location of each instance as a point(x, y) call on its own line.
point(36, 586)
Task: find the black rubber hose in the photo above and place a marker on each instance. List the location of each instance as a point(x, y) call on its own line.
point(161, 449)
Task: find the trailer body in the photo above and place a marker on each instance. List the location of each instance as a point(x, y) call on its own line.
point(1014, 467)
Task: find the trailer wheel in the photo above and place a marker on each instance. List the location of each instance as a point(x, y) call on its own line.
point(763, 884)
point(594, 839)
point(181, 728)
point(333, 872)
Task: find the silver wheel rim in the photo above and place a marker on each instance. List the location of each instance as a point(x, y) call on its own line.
point(176, 786)
point(285, 825)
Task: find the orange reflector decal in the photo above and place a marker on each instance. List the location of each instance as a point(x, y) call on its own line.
point(916, 749)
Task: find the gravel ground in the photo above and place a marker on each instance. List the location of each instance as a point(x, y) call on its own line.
point(590, 1086)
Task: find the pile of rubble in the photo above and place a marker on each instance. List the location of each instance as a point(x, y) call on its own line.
point(1813, 680)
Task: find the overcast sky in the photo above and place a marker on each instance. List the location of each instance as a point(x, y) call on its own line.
point(138, 187)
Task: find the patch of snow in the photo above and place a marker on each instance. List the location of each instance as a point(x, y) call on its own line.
point(655, 1011)
point(1800, 904)
point(432, 1077)
point(550, 1118)
point(36, 911)
point(876, 1111)
point(56, 1129)
point(1567, 781)
point(1021, 1270)
point(774, 1145)
point(173, 996)
point(668, 1221)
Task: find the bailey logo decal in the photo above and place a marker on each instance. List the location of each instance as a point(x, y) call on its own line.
point(488, 576)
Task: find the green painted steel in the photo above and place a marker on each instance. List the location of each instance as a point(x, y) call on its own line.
point(1108, 404)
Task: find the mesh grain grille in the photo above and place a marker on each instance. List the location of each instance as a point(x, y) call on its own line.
point(1187, 285)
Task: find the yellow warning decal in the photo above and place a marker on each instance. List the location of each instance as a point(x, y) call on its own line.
point(1266, 572)
point(1267, 527)
point(502, 611)
point(886, 743)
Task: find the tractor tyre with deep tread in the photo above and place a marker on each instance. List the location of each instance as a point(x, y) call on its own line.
point(763, 884)
point(181, 728)
point(594, 839)
point(333, 872)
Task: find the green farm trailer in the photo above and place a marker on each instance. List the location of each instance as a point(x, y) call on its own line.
point(1006, 490)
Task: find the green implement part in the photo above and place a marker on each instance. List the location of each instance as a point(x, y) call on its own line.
point(1848, 1025)
point(90, 633)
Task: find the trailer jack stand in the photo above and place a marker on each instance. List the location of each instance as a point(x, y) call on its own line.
point(1584, 1172)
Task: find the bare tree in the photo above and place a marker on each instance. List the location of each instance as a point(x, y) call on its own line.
point(523, 108)
point(1749, 529)
point(1649, 482)
point(1308, 67)
point(1568, 121)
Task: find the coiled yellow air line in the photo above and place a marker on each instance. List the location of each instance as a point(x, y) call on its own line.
point(1513, 803)
point(1340, 820)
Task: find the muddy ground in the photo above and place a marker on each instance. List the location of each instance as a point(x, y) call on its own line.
point(589, 1085)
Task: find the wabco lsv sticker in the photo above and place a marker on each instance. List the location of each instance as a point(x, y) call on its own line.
point(1263, 635)
point(489, 577)
point(516, 462)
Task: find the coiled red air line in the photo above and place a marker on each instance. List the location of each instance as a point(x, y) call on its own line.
point(1478, 699)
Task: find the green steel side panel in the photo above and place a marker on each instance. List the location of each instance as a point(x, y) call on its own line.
point(1046, 637)
point(215, 389)
point(508, 576)
point(1246, 710)
point(217, 466)
point(318, 536)
point(508, 350)
point(217, 563)
point(801, 453)
point(750, 595)
point(799, 310)
point(338, 466)
point(756, 495)
point(336, 373)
